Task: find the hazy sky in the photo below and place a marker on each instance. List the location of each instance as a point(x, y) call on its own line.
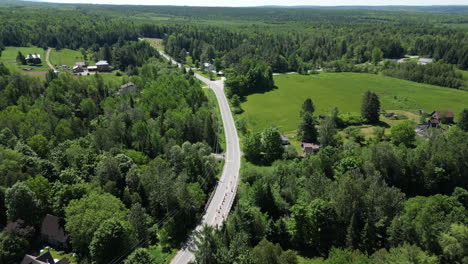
point(266, 2)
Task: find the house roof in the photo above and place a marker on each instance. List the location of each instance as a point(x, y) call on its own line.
point(285, 138)
point(123, 86)
point(309, 147)
point(53, 227)
point(102, 63)
point(448, 113)
point(33, 56)
point(28, 259)
point(45, 258)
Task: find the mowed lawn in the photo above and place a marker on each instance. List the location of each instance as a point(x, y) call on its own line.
point(9, 58)
point(280, 107)
point(65, 57)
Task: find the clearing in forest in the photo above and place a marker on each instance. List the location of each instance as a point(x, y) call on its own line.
point(280, 107)
point(9, 59)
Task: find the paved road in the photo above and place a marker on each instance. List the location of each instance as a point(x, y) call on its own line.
point(221, 201)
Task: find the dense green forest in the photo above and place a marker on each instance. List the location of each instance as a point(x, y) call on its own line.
point(127, 171)
point(385, 199)
point(71, 147)
point(286, 39)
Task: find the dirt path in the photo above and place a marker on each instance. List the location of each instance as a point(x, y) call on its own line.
point(48, 60)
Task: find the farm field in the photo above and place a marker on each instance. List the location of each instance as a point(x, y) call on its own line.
point(65, 57)
point(9, 59)
point(281, 106)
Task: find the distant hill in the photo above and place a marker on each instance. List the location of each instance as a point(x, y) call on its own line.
point(461, 9)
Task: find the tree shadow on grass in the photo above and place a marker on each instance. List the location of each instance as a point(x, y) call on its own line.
point(381, 124)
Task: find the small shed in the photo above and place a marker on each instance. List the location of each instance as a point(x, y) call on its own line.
point(433, 123)
point(92, 68)
point(284, 140)
point(310, 148)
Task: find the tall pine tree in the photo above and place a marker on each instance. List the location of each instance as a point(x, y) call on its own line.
point(307, 131)
point(370, 107)
point(308, 107)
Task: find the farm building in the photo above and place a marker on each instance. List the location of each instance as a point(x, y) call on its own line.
point(33, 59)
point(284, 140)
point(92, 68)
point(310, 148)
point(444, 116)
point(102, 66)
point(126, 88)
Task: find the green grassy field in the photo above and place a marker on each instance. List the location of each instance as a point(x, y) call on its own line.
point(110, 78)
point(156, 43)
point(281, 106)
point(65, 57)
point(9, 58)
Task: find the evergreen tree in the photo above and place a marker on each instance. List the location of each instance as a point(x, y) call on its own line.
point(463, 122)
point(307, 131)
point(308, 107)
point(20, 59)
point(107, 53)
point(370, 107)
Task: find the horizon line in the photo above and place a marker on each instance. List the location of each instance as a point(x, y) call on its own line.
point(286, 6)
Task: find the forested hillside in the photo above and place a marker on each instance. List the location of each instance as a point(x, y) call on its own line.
point(73, 148)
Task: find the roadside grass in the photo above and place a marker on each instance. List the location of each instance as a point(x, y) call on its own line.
point(159, 256)
point(214, 103)
point(280, 107)
point(156, 43)
point(206, 75)
point(65, 57)
point(9, 59)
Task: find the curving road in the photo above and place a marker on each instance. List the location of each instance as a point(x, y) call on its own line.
point(221, 202)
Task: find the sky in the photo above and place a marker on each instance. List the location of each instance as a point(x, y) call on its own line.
point(267, 2)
